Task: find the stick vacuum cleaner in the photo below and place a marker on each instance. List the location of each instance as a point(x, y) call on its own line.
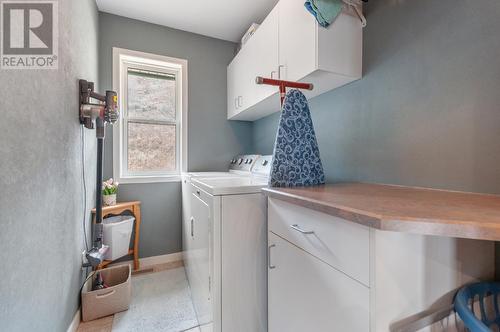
point(97, 115)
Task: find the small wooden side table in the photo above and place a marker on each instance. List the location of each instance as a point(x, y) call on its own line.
point(119, 208)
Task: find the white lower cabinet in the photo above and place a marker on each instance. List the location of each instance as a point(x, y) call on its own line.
point(306, 294)
point(330, 274)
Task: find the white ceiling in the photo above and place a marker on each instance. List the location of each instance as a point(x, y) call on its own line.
point(223, 19)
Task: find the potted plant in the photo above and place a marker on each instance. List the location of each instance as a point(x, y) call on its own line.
point(109, 190)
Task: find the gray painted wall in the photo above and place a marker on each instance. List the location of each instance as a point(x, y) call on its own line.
point(427, 111)
point(212, 140)
point(41, 202)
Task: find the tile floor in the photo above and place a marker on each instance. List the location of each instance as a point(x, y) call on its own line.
point(161, 301)
point(203, 328)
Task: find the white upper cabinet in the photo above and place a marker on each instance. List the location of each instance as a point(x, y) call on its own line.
point(290, 45)
point(259, 57)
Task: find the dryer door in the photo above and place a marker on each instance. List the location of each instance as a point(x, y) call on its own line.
point(200, 265)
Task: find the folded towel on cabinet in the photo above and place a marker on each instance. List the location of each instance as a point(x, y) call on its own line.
point(325, 11)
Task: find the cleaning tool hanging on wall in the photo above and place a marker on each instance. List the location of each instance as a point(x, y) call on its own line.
point(97, 115)
point(296, 160)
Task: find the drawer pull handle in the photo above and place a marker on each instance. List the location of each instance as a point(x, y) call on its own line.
point(198, 192)
point(192, 226)
point(269, 256)
point(298, 229)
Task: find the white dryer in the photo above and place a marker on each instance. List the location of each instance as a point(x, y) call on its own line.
point(195, 234)
point(235, 213)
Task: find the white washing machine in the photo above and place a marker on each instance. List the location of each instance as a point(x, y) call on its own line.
point(195, 238)
point(230, 215)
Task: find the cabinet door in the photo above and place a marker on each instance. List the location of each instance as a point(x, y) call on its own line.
point(199, 282)
point(262, 56)
point(243, 73)
point(306, 294)
point(297, 40)
point(232, 87)
point(258, 57)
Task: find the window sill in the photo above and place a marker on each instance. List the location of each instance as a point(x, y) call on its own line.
point(149, 179)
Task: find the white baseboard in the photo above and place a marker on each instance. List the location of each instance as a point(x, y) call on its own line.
point(162, 259)
point(75, 322)
point(148, 262)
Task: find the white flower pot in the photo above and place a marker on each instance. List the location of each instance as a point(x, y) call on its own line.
point(109, 200)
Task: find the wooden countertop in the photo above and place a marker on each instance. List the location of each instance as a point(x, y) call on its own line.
point(402, 209)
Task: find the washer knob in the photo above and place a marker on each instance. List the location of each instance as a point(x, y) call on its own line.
point(250, 160)
point(264, 163)
point(240, 161)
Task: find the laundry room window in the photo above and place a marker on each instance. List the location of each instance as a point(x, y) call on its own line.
point(149, 140)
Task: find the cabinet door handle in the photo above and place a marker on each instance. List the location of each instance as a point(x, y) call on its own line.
point(235, 103)
point(300, 230)
point(198, 192)
point(279, 70)
point(273, 72)
point(240, 101)
point(192, 226)
point(269, 256)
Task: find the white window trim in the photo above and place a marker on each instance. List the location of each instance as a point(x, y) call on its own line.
point(122, 57)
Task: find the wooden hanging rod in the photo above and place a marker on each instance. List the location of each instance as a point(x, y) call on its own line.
point(283, 85)
point(287, 84)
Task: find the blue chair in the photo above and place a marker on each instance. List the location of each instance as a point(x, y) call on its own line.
point(463, 305)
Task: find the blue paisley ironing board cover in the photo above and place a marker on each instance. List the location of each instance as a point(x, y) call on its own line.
point(296, 160)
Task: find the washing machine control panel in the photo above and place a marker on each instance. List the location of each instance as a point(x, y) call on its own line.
point(262, 166)
point(243, 162)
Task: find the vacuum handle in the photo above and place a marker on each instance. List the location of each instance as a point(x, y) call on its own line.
point(100, 296)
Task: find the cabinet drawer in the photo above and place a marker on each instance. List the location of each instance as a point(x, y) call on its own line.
point(340, 243)
point(305, 294)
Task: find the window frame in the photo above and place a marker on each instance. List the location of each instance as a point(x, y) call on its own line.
point(124, 59)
